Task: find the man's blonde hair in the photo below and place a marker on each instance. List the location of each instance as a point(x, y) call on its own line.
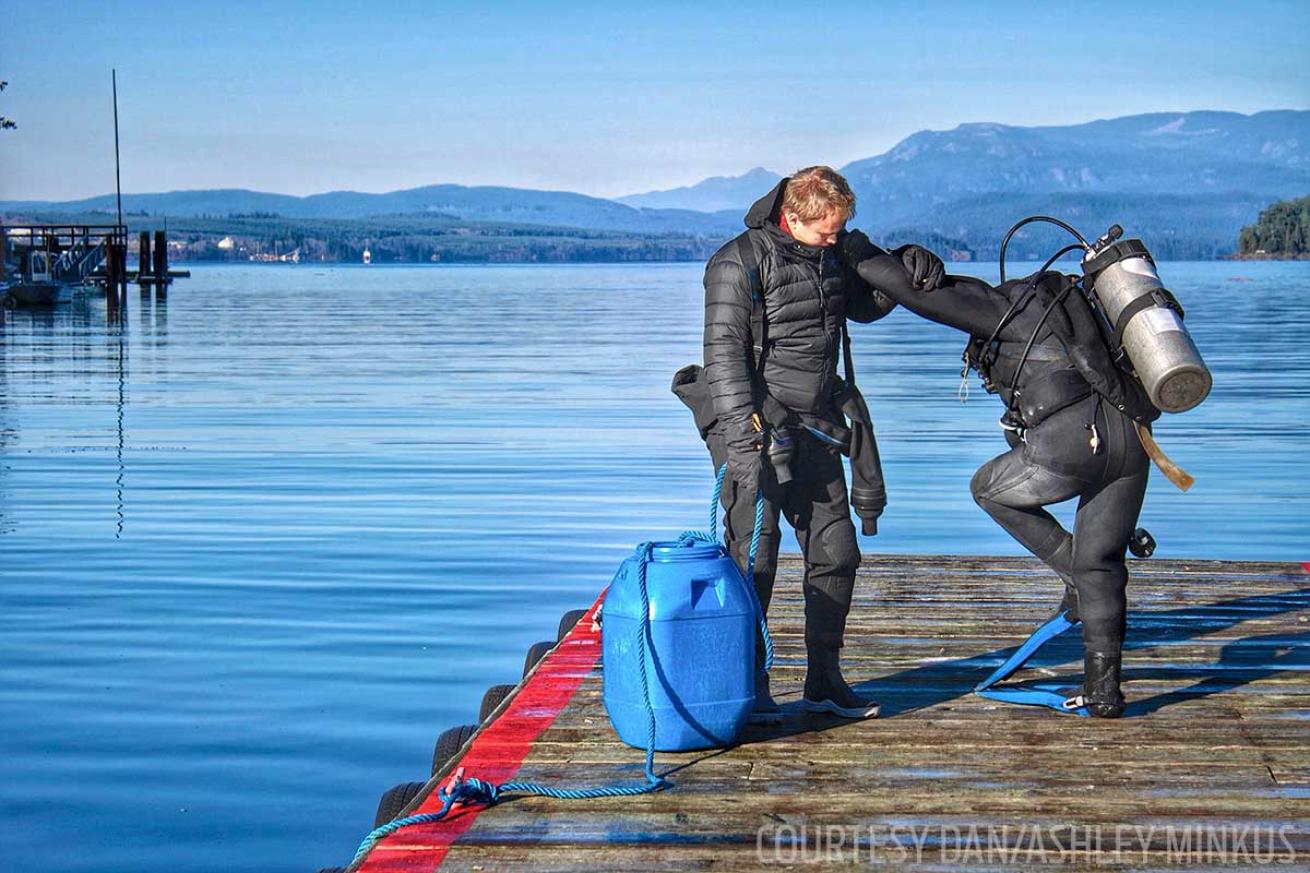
point(814, 192)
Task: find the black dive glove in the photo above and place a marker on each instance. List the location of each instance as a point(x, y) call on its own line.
point(746, 457)
point(926, 269)
point(854, 248)
point(745, 462)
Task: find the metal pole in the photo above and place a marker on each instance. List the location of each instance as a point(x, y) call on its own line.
point(118, 179)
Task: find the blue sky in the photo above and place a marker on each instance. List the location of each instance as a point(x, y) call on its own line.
point(602, 98)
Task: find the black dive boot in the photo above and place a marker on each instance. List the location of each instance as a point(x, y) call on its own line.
point(1101, 684)
point(765, 710)
point(827, 691)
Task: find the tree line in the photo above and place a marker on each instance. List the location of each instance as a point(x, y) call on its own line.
point(1283, 230)
point(414, 238)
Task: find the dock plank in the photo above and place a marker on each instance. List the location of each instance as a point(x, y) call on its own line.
point(1210, 766)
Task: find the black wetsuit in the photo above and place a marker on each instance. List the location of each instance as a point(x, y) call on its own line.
point(1076, 438)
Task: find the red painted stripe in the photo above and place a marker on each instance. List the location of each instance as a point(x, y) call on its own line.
point(497, 753)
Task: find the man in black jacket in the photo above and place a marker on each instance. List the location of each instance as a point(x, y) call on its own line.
point(765, 387)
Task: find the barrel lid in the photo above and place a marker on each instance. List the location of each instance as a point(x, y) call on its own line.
point(693, 550)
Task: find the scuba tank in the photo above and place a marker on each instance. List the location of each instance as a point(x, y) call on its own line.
point(1146, 322)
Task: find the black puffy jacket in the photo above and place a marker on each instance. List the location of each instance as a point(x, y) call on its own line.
point(807, 296)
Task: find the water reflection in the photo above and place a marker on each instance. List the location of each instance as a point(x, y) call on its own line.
point(75, 355)
point(119, 334)
point(8, 434)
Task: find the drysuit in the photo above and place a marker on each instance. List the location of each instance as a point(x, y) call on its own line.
point(1070, 419)
point(807, 296)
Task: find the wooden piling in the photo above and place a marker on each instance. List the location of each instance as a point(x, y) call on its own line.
point(143, 256)
point(4, 252)
point(112, 266)
point(161, 256)
point(161, 263)
point(122, 276)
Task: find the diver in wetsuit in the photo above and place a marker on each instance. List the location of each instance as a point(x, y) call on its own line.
point(1070, 425)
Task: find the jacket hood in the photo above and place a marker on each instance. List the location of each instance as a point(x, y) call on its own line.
point(766, 209)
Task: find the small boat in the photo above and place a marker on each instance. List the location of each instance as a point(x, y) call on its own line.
point(35, 285)
point(30, 294)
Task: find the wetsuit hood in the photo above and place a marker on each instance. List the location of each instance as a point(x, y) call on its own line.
point(765, 211)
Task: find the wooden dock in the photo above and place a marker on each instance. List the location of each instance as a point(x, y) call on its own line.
point(1209, 767)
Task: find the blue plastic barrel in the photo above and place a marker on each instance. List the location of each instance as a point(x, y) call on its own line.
point(700, 656)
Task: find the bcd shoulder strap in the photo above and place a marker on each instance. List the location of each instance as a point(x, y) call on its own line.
point(759, 328)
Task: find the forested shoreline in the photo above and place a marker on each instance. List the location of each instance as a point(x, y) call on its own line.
point(1283, 231)
point(422, 238)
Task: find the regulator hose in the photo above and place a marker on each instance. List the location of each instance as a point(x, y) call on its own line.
point(1049, 220)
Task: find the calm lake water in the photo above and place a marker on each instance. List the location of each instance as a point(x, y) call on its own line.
point(265, 542)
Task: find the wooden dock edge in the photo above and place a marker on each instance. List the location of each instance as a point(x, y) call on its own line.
point(496, 750)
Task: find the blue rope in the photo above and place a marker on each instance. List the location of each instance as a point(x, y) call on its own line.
point(756, 532)
point(470, 789)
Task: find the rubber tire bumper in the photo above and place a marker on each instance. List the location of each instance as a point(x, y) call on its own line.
point(449, 744)
point(394, 800)
point(535, 653)
point(567, 621)
point(494, 697)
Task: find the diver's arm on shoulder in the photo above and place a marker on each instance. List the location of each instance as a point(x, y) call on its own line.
point(961, 302)
point(864, 302)
point(727, 344)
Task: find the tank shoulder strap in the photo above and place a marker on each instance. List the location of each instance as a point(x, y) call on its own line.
point(1161, 297)
point(759, 328)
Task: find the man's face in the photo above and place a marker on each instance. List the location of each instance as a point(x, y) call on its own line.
point(820, 232)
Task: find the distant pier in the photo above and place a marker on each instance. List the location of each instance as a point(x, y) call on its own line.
point(82, 255)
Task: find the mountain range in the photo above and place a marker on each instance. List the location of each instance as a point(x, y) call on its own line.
point(1185, 182)
point(481, 203)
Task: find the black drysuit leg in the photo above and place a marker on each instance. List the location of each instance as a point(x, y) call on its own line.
point(816, 504)
point(1014, 487)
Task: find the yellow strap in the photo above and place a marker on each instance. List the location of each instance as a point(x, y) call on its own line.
point(1171, 471)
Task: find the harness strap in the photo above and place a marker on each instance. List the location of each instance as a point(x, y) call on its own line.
point(1161, 297)
point(1037, 694)
point(848, 358)
point(759, 329)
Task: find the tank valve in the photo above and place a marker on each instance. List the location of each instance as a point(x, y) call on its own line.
point(1106, 239)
